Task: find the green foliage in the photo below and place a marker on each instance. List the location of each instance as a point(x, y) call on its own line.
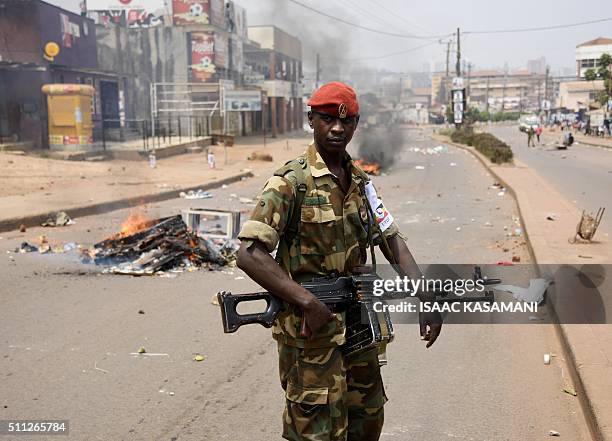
point(590, 75)
point(445, 131)
point(496, 150)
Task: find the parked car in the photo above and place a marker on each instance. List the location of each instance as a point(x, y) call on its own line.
point(525, 122)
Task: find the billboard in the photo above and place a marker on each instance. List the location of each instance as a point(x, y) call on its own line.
point(202, 67)
point(242, 100)
point(194, 12)
point(133, 13)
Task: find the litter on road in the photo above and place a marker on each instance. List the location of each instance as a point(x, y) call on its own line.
point(58, 219)
point(199, 194)
point(553, 433)
point(533, 293)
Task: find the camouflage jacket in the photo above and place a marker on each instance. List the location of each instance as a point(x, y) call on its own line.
point(332, 236)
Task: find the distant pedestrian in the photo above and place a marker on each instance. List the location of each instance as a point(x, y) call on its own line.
point(530, 133)
point(211, 159)
point(538, 132)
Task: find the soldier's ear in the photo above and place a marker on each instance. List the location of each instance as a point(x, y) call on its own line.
point(310, 118)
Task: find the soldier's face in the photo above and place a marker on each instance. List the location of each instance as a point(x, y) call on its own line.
point(332, 133)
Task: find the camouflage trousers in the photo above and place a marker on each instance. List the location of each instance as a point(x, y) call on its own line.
point(330, 397)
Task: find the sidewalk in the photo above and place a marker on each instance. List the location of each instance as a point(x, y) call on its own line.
point(589, 346)
point(35, 187)
point(579, 138)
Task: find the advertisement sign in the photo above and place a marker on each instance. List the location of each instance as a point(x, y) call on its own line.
point(243, 100)
point(202, 67)
point(458, 105)
point(132, 13)
point(457, 83)
point(190, 12)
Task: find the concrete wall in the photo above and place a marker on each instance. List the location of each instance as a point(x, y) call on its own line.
point(20, 40)
point(143, 56)
point(270, 37)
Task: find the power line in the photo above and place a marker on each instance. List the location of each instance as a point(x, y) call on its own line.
point(397, 16)
point(378, 18)
point(542, 28)
point(365, 28)
point(378, 57)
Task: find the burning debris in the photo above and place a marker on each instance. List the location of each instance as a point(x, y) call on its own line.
point(380, 146)
point(147, 247)
point(371, 168)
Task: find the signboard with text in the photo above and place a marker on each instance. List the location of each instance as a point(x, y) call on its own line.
point(202, 66)
point(243, 100)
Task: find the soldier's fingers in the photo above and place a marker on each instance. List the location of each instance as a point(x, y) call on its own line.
point(435, 332)
point(423, 328)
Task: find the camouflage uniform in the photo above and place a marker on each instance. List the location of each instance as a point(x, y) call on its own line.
point(329, 396)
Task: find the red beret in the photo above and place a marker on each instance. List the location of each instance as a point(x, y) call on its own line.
point(335, 99)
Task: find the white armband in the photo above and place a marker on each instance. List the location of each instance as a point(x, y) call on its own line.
point(382, 217)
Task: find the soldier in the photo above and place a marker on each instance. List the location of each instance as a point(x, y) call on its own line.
point(315, 210)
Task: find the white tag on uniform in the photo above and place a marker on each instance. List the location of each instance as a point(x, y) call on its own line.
point(381, 215)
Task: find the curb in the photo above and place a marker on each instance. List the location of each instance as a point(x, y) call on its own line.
point(560, 331)
point(36, 219)
point(593, 144)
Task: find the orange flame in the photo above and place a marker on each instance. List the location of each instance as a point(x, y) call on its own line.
point(135, 222)
point(371, 168)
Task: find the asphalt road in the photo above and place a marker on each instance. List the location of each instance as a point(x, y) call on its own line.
point(582, 173)
point(67, 333)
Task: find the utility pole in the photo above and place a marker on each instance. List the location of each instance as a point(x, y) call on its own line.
point(504, 92)
point(469, 73)
point(487, 103)
point(446, 88)
point(318, 63)
point(458, 66)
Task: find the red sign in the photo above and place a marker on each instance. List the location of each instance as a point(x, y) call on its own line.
point(189, 12)
point(202, 65)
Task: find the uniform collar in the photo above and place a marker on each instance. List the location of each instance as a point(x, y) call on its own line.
point(318, 167)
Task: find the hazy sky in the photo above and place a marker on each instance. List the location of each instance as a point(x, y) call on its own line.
point(338, 42)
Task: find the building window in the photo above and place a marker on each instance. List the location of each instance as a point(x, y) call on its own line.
point(593, 95)
point(587, 64)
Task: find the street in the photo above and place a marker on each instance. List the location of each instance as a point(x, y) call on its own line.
point(582, 173)
point(69, 332)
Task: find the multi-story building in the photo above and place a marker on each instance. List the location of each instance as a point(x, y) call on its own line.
point(274, 63)
point(588, 54)
point(41, 44)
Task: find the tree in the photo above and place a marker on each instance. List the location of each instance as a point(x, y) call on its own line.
point(590, 75)
point(605, 63)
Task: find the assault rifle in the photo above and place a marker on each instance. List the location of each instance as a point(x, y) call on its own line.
point(354, 295)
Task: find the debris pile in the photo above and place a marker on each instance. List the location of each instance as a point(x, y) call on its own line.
point(160, 245)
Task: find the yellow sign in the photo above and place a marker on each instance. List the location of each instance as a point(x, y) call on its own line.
point(52, 49)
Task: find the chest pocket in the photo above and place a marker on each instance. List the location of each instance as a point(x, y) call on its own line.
point(317, 233)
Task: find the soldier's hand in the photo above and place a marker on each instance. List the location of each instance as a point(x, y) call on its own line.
point(316, 315)
point(431, 325)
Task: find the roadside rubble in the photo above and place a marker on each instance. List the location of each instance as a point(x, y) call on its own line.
point(58, 219)
point(199, 194)
point(165, 244)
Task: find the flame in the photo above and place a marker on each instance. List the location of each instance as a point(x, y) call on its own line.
point(371, 168)
point(135, 222)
